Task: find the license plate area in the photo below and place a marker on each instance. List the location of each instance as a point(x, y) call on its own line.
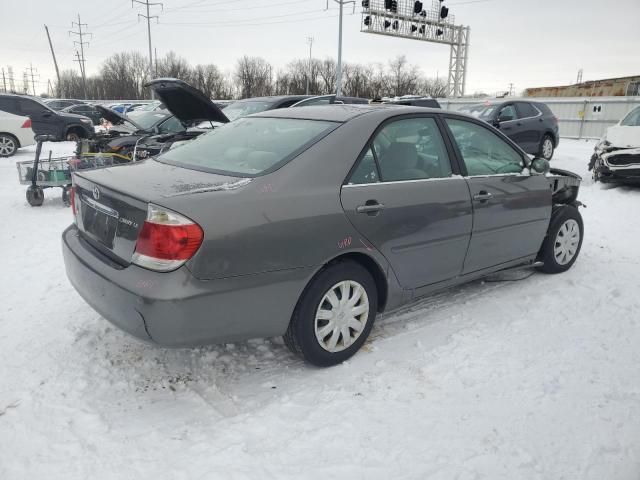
point(99, 221)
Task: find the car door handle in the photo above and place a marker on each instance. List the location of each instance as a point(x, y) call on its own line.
point(482, 196)
point(370, 207)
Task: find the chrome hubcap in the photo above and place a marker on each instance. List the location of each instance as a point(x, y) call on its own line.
point(547, 148)
point(341, 316)
point(567, 240)
point(7, 146)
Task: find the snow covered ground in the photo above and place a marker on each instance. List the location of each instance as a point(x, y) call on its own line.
point(532, 379)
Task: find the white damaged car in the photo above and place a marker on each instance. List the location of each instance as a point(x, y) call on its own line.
point(617, 154)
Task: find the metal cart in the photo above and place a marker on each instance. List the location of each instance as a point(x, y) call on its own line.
point(56, 172)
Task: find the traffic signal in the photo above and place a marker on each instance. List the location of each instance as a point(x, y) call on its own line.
point(439, 32)
point(365, 3)
point(444, 12)
point(367, 20)
point(395, 25)
point(417, 7)
point(414, 28)
point(387, 24)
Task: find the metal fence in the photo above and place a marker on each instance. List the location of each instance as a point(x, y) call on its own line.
point(578, 117)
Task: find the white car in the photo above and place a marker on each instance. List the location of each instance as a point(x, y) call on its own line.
point(617, 154)
point(15, 132)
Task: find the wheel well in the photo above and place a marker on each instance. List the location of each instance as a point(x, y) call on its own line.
point(12, 136)
point(374, 269)
point(76, 129)
point(552, 135)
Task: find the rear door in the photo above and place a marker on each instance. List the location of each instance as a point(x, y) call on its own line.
point(530, 126)
point(44, 121)
point(405, 198)
point(511, 207)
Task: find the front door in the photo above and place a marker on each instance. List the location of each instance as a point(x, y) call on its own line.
point(511, 206)
point(405, 200)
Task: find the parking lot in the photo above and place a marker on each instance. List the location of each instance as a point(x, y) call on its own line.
point(512, 377)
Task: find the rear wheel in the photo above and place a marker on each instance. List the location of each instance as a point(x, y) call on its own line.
point(334, 315)
point(35, 195)
point(8, 145)
point(546, 147)
point(562, 245)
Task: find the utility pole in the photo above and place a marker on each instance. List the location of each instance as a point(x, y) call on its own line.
point(12, 85)
point(339, 65)
point(310, 42)
point(148, 16)
point(25, 83)
point(82, 43)
point(32, 75)
point(80, 63)
point(511, 89)
point(55, 62)
point(4, 81)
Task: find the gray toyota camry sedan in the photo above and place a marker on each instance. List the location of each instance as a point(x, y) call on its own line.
point(308, 222)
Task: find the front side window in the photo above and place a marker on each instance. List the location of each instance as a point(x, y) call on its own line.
point(249, 146)
point(507, 113)
point(484, 152)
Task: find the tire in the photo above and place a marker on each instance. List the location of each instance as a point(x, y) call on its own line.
point(73, 137)
point(35, 196)
point(565, 234)
point(547, 147)
point(8, 145)
point(301, 336)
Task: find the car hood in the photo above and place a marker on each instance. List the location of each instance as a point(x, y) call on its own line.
point(116, 118)
point(187, 103)
point(620, 136)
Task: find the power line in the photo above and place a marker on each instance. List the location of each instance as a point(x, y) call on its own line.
point(32, 75)
point(148, 16)
point(82, 43)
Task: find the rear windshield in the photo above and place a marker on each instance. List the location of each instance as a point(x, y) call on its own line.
point(249, 146)
point(242, 109)
point(632, 119)
point(480, 110)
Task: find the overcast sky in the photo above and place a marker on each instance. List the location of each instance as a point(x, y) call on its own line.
point(525, 42)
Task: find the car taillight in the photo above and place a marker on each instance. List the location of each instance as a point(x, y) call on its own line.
point(72, 200)
point(167, 240)
point(27, 123)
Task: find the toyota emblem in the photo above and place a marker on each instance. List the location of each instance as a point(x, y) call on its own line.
point(96, 193)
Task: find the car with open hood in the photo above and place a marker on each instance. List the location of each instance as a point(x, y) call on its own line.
point(617, 155)
point(308, 222)
point(139, 134)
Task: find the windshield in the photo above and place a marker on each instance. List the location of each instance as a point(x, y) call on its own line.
point(242, 109)
point(146, 120)
point(480, 110)
point(632, 119)
point(249, 146)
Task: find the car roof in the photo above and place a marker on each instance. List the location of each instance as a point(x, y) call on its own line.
point(275, 98)
point(343, 113)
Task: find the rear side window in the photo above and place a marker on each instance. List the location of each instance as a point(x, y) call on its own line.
point(507, 113)
point(484, 152)
point(408, 149)
point(10, 105)
point(526, 110)
point(249, 146)
point(29, 107)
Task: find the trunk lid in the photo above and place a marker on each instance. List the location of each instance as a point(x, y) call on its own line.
point(187, 103)
point(113, 201)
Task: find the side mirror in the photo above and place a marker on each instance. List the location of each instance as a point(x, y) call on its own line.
point(496, 123)
point(540, 165)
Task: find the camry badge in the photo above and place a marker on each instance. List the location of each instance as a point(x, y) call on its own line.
point(96, 193)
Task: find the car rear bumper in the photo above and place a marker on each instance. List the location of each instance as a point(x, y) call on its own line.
point(175, 308)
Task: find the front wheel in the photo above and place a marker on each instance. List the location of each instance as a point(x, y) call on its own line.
point(546, 147)
point(73, 137)
point(562, 245)
point(334, 315)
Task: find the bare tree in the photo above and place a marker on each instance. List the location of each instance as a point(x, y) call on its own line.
point(402, 78)
point(210, 81)
point(174, 66)
point(253, 75)
point(433, 87)
point(327, 72)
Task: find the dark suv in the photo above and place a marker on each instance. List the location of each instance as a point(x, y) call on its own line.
point(531, 125)
point(45, 121)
